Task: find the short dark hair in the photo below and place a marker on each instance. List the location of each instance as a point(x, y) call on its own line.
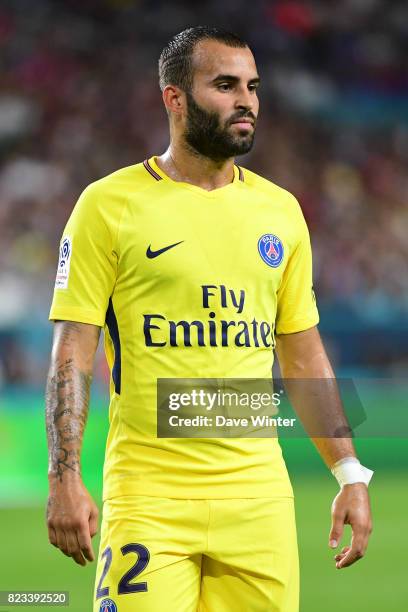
point(175, 63)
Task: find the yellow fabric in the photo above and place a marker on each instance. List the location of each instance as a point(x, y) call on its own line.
point(212, 555)
point(110, 229)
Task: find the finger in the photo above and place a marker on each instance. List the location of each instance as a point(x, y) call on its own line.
point(61, 541)
point(93, 522)
point(52, 536)
point(85, 544)
point(343, 553)
point(357, 550)
point(336, 531)
point(73, 548)
point(351, 557)
point(83, 558)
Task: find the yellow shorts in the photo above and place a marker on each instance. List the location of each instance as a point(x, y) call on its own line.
point(207, 555)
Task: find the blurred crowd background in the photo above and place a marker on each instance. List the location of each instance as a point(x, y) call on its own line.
point(79, 98)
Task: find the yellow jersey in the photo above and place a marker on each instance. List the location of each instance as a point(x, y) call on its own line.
point(187, 283)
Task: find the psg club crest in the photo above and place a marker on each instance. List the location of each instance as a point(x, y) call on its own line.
point(270, 249)
point(108, 605)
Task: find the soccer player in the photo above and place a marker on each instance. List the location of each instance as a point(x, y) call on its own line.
point(194, 267)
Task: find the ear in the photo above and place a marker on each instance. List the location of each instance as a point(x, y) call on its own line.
point(174, 99)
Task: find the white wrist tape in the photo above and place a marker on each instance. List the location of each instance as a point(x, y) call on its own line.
point(349, 471)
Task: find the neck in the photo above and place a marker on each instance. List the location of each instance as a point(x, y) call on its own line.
point(182, 163)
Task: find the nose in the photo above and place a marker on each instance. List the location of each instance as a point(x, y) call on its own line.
point(244, 100)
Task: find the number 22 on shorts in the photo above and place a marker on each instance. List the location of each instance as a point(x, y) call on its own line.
point(125, 585)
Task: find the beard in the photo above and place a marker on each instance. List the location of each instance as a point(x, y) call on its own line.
point(208, 137)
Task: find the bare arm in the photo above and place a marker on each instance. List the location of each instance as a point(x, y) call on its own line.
point(302, 356)
point(71, 513)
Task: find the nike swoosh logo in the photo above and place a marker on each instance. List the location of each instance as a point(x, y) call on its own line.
point(151, 254)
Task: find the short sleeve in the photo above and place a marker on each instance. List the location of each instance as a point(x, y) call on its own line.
point(87, 264)
point(296, 307)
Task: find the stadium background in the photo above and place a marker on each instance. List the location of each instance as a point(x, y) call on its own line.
point(78, 99)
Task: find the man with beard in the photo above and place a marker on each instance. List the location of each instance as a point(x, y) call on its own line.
point(192, 265)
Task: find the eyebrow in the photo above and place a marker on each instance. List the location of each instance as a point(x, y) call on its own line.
point(233, 79)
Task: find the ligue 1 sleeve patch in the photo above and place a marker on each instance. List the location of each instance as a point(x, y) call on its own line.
point(61, 281)
point(270, 248)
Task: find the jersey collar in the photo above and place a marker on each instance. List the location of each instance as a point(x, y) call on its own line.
point(158, 174)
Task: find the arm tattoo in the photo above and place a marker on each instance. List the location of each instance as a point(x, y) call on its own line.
point(67, 398)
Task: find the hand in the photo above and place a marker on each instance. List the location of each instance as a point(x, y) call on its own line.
point(72, 519)
point(351, 506)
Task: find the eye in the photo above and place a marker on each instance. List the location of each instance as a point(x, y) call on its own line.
point(253, 87)
point(224, 86)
